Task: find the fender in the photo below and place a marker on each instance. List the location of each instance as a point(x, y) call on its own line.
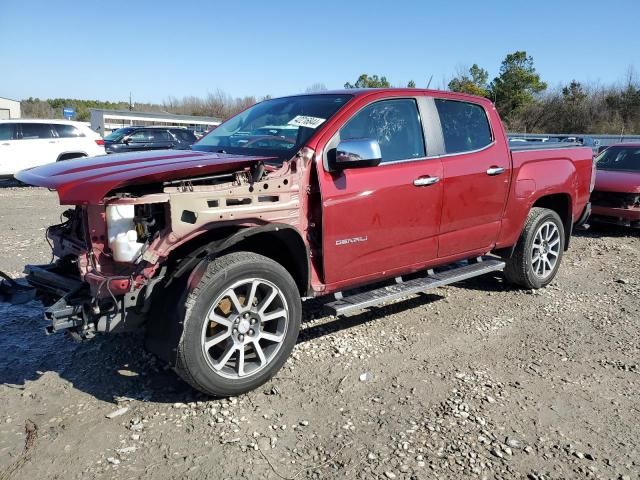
point(196, 262)
point(533, 182)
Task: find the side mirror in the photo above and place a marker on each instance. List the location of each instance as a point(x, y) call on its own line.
point(356, 153)
point(126, 141)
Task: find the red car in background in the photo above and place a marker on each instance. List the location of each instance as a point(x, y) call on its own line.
point(616, 196)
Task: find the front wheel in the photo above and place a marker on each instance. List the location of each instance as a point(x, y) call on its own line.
point(240, 324)
point(538, 253)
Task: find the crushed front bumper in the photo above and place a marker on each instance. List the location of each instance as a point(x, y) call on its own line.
point(68, 297)
point(73, 305)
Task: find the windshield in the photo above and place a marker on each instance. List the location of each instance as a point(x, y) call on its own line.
point(276, 127)
point(619, 158)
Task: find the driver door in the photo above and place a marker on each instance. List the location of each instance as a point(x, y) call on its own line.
point(382, 220)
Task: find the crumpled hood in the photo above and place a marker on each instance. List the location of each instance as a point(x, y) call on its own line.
point(617, 181)
point(86, 181)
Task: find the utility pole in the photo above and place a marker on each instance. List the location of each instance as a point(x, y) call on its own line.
point(130, 104)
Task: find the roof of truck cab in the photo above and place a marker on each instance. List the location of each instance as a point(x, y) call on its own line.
point(358, 92)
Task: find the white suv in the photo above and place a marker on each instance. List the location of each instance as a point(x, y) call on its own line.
point(30, 143)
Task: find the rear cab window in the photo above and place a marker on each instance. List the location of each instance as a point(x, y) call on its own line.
point(465, 126)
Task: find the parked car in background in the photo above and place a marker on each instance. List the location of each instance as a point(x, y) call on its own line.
point(616, 196)
point(30, 143)
point(214, 248)
point(592, 143)
point(130, 139)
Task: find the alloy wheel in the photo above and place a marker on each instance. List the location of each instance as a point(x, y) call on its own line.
point(246, 326)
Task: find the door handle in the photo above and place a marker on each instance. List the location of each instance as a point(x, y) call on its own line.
point(52, 141)
point(425, 181)
point(495, 170)
point(6, 144)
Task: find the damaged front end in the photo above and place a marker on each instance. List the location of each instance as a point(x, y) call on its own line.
point(112, 253)
point(84, 290)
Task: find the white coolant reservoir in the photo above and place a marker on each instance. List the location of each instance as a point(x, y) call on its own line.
point(123, 239)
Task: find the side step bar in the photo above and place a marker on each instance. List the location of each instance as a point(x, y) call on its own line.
point(359, 301)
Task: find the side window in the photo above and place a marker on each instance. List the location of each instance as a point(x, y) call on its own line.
point(34, 131)
point(6, 131)
point(395, 124)
point(140, 136)
point(184, 136)
point(159, 136)
point(464, 125)
point(67, 131)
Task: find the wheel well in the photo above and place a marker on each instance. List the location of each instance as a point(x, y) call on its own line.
point(282, 244)
point(69, 156)
point(561, 204)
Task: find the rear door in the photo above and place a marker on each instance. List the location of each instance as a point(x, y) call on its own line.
point(476, 178)
point(384, 219)
point(36, 145)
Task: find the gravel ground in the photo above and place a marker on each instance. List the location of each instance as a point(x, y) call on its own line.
point(475, 380)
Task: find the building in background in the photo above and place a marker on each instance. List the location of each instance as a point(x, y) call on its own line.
point(9, 109)
point(104, 121)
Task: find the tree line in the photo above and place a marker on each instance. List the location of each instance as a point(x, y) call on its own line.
point(524, 101)
point(527, 105)
point(218, 104)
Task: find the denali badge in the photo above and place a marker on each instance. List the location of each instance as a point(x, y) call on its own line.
point(345, 241)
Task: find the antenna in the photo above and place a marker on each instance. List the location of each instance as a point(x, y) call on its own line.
point(429, 82)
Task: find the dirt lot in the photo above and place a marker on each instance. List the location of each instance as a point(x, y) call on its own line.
point(475, 380)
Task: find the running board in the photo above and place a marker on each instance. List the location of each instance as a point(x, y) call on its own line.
point(402, 289)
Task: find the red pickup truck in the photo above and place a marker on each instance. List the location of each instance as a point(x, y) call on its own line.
point(368, 195)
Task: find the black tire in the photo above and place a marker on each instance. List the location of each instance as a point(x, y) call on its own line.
point(193, 363)
point(520, 267)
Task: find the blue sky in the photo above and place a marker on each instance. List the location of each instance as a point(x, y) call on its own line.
point(103, 50)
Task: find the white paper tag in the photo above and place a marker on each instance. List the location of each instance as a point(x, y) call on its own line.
point(304, 121)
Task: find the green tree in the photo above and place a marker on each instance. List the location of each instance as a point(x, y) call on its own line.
point(474, 82)
point(573, 115)
point(366, 81)
point(411, 84)
point(517, 84)
point(573, 93)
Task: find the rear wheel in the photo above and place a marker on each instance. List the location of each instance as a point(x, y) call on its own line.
point(538, 253)
point(241, 323)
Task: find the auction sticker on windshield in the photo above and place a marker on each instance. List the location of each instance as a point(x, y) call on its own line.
point(305, 121)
